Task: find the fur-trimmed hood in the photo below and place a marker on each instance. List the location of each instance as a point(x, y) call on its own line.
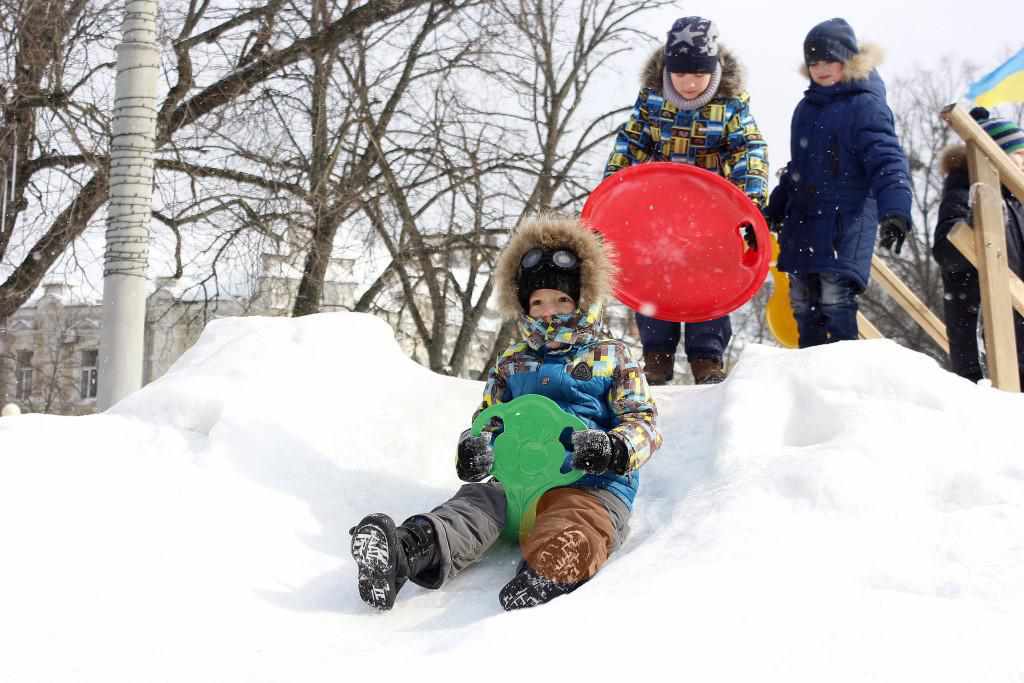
point(550, 231)
point(953, 159)
point(858, 67)
point(731, 85)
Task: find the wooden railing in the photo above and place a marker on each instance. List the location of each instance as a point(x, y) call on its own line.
point(985, 245)
point(908, 301)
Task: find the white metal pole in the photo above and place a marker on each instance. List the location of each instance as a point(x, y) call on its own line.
point(130, 206)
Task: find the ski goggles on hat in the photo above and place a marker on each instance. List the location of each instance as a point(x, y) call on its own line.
point(559, 258)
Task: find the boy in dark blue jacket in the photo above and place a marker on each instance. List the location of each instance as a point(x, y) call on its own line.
point(846, 180)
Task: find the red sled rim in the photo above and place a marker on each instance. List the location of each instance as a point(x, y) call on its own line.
point(678, 231)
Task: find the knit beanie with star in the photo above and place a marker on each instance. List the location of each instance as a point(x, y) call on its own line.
point(692, 46)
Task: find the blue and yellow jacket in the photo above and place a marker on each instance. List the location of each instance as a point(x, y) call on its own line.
point(721, 136)
point(592, 377)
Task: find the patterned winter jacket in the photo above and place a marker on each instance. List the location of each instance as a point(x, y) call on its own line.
point(721, 136)
point(594, 379)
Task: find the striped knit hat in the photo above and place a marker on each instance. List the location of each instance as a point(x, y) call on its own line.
point(1006, 133)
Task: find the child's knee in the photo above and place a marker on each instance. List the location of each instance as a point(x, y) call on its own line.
point(837, 290)
point(568, 508)
point(802, 295)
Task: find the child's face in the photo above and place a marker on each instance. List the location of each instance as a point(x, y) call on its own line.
point(1018, 158)
point(690, 86)
point(826, 73)
point(545, 303)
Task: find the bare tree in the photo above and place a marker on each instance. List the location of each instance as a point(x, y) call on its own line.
point(437, 164)
point(551, 54)
point(455, 174)
point(376, 105)
point(52, 132)
point(61, 61)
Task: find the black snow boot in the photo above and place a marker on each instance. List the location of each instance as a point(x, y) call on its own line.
point(529, 589)
point(387, 556)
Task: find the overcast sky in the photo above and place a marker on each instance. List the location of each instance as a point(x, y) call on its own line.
point(768, 39)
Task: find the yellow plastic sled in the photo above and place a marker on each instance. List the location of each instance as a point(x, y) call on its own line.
point(778, 312)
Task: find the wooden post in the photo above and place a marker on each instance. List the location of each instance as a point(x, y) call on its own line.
point(866, 328)
point(990, 248)
point(962, 238)
point(906, 298)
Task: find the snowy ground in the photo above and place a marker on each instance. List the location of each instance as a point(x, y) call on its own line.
point(850, 512)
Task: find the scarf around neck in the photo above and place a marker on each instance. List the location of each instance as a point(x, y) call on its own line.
point(565, 328)
point(684, 104)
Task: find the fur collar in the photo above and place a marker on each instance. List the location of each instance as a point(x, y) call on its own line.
point(858, 67)
point(953, 159)
point(732, 72)
point(597, 260)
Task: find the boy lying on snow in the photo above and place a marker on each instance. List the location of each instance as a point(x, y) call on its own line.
point(554, 277)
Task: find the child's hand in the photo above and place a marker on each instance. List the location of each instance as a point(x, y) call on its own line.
point(595, 451)
point(774, 225)
point(476, 456)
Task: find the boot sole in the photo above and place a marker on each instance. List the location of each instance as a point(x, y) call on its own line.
point(371, 549)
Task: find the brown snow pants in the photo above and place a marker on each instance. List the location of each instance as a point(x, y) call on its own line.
point(572, 537)
point(575, 532)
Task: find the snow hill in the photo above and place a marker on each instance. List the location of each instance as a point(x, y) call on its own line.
point(849, 512)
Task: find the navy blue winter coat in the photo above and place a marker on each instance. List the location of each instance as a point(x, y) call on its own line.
point(846, 171)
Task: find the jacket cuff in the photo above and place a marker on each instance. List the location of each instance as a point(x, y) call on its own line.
point(620, 454)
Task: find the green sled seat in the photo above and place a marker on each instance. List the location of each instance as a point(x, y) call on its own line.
point(528, 455)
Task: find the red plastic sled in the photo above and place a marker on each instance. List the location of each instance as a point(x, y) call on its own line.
point(678, 230)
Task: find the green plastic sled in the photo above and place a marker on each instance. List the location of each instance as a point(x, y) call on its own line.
point(528, 455)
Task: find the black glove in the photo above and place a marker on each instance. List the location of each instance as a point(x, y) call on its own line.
point(892, 231)
point(476, 456)
point(596, 451)
point(766, 212)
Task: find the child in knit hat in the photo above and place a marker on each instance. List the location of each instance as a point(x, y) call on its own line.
point(847, 179)
point(962, 298)
point(553, 278)
point(693, 109)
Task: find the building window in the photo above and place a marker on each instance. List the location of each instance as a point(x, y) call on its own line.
point(23, 376)
point(89, 363)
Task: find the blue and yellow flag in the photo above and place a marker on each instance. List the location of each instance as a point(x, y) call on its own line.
point(1005, 84)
